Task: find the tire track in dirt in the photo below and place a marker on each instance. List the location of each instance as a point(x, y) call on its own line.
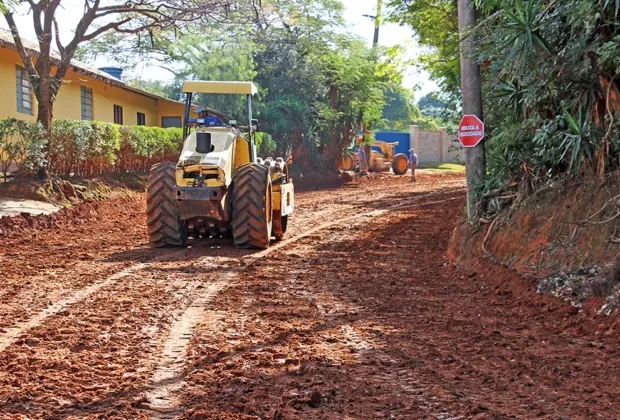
point(14, 333)
point(249, 260)
point(167, 378)
point(30, 296)
point(99, 355)
point(22, 302)
point(367, 351)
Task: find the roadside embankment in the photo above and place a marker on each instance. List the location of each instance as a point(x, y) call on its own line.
point(565, 237)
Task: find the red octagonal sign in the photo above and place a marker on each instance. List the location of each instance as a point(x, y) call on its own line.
point(471, 130)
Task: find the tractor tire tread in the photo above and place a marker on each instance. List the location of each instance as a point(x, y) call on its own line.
point(250, 226)
point(164, 226)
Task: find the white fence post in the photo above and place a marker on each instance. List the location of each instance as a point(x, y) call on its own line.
point(443, 144)
point(414, 138)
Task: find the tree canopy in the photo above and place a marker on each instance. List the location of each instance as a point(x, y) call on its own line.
point(435, 23)
point(550, 87)
point(561, 114)
point(318, 84)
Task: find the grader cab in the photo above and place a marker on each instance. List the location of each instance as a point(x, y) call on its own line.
point(218, 187)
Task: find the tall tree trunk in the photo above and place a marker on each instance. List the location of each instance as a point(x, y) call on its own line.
point(333, 149)
point(45, 114)
point(45, 96)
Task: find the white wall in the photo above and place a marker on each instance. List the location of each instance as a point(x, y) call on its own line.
point(435, 146)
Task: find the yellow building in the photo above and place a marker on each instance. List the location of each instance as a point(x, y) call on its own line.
point(86, 94)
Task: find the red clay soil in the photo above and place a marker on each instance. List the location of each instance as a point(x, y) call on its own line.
point(362, 319)
point(371, 322)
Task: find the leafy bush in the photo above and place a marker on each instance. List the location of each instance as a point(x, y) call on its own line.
point(87, 147)
point(265, 144)
point(20, 142)
point(551, 88)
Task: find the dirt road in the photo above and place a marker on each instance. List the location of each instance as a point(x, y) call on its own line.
point(356, 315)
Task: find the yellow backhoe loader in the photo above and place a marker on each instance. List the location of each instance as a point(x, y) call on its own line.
point(218, 187)
point(379, 161)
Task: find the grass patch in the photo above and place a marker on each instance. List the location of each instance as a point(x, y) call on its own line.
point(442, 167)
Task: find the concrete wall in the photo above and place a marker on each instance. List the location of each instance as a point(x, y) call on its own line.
point(434, 146)
point(68, 100)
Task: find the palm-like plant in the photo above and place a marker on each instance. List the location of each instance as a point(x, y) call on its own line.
point(290, 122)
point(524, 37)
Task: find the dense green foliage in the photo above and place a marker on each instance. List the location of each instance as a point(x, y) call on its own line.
point(93, 147)
point(431, 105)
point(20, 142)
point(86, 147)
point(435, 23)
point(400, 112)
point(551, 94)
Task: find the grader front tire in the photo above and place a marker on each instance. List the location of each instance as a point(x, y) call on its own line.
point(252, 206)
point(165, 228)
point(399, 164)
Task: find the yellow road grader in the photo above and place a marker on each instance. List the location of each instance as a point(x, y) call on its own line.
point(378, 161)
point(219, 187)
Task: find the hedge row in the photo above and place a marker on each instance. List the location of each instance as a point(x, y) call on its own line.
point(86, 147)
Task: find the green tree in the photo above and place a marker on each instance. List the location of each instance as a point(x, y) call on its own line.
point(48, 70)
point(171, 90)
point(435, 23)
point(430, 105)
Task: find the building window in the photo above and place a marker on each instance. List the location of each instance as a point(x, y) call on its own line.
point(87, 103)
point(141, 118)
point(118, 114)
point(24, 92)
point(167, 122)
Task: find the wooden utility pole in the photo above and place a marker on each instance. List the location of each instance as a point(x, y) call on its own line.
point(475, 164)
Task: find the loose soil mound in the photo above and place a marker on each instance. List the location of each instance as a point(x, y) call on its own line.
point(78, 197)
point(87, 205)
point(68, 216)
point(67, 191)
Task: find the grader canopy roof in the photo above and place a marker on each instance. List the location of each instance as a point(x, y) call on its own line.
point(200, 86)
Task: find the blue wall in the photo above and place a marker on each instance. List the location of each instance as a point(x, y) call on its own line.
point(391, 136)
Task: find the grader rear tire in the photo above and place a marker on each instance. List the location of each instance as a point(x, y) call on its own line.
point(252, 206)
point(399, 164)
point(165, 228)
point(348, 164)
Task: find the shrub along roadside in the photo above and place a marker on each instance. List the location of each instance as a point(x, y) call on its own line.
point(86, 147)
point(20, 142)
